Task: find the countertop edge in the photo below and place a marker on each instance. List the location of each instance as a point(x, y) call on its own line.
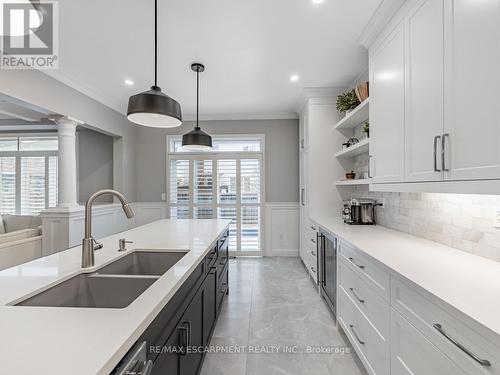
point(494, 334)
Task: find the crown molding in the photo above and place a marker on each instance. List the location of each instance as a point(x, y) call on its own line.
point(385, 11)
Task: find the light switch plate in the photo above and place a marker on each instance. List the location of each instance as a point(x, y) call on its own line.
point(496, 220)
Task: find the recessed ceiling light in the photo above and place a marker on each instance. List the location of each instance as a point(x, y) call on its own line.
point(129, 82)
point(317, 1)
point(294, 78)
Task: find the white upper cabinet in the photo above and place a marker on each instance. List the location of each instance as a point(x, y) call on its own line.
point(424, 115)
point(472, 42)
point(434, 99)
point(387, 111)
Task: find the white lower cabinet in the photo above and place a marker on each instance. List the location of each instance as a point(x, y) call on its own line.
point(407, 331)
point(372, 348)
point(308, 250)
point(413, 354)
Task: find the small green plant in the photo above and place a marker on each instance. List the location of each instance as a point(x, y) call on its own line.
point(366, 128)
point(347, 101)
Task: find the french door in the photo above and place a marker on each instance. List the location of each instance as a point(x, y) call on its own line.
point(226, 186)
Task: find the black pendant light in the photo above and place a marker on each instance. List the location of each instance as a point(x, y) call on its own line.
point(154, 108)
point(197, 139)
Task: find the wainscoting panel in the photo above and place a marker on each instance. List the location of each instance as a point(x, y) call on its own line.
point(281, 229)
point(147, 212)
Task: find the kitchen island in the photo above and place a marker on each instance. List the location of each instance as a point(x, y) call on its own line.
point(67, 340)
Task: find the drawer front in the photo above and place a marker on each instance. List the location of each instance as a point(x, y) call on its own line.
point(371, 348)
point(413, 354)
point(372, 273)
point(435, 323)
point(374, 307)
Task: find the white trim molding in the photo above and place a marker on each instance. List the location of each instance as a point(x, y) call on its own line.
point(385, 11)
point(281, 229)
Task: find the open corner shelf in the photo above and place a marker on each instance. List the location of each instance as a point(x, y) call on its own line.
point(359, 148)
point(356, 117)
point(361, 181)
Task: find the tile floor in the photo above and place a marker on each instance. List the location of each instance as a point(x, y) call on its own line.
point(273, 303)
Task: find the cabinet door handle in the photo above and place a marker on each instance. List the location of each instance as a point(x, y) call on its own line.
point(356, 296)
point(369, 166)
point(443, 152)
point(302, 192)
point(312, 269)
point(483, 362)
point(313, 240)
point(313, 253)
point(356, 264)
point(436, 139)
point(356, 334)
point(313, 228)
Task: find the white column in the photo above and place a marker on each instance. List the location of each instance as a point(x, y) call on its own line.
point(67, 183)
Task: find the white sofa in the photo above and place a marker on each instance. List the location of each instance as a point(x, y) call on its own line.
point(20, 239)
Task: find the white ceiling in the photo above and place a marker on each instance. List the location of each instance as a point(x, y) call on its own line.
point(250, 49)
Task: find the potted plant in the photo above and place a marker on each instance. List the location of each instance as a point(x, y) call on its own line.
point(366, 129)
point(347, 101)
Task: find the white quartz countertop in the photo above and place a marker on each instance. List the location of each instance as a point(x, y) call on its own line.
point(465, 281)
point(87, 341)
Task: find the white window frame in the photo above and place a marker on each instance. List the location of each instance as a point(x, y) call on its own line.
point(19, 154)
point(214, 156)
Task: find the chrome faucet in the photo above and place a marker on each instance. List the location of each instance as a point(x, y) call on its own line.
point(88, 247)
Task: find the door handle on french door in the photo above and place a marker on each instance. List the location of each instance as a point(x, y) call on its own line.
point(436, 138)
point(443, 152)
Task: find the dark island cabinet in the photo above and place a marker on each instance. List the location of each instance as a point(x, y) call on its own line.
point(178, 336)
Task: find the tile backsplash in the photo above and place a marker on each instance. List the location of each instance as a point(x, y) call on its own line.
point(465, 222)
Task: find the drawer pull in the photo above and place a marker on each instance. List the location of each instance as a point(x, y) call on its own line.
point(356, 334)
point(356, 264)
point(312, 269)
point(313, 240)
point(313, 228)
point(356, 296)
point(482, 362)
point(313, 253)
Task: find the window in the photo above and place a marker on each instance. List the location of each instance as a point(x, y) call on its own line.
point(28, 174)
point(225, 182)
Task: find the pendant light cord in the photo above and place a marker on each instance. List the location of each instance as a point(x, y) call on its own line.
point(156, 43)
point(197, 96)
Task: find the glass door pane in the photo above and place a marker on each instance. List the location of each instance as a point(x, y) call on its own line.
point(226, 181)
point(203, 180)
point(179, 181)
point(230, 213)
point(250, 181)
point(250, 228)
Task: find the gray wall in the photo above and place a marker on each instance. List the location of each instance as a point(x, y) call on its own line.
point(95, 163)
point(281, 156)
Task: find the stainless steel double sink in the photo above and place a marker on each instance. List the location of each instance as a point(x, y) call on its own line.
point(115, 285)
